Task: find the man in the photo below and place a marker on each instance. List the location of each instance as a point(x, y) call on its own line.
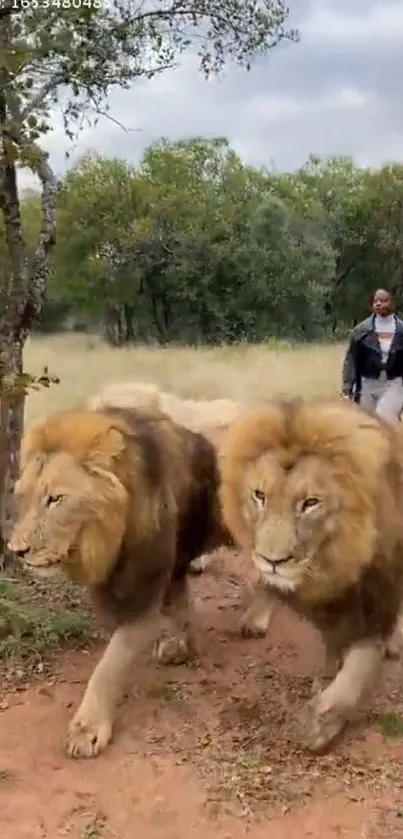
point(373, 366)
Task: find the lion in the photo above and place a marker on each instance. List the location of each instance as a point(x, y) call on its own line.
point(126, 395)
point(121, 501)
point(202, 415)
point(314, 490)
point(207, 416)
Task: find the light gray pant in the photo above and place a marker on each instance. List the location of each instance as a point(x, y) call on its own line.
point(383, 397)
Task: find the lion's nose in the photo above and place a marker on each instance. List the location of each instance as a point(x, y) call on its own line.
point(275, 561)
point(20, 552)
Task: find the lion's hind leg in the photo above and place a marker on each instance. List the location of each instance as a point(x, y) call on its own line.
point(91, 728)
point(176, 643)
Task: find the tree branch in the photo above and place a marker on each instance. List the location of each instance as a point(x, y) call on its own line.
point(42, 94)
point(39, 273)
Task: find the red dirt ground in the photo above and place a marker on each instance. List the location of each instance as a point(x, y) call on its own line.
point(203, 751)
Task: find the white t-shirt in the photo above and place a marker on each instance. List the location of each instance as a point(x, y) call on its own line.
point(385, 329)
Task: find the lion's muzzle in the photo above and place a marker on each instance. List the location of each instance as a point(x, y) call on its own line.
point(18, 546)
point(275, 563)
point(280, 572)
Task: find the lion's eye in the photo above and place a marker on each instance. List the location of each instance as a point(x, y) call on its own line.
point(53, 499)
point(259, 497)
point(309, 504)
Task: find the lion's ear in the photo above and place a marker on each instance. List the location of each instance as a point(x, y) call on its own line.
point(102, 537)
point(105, 448)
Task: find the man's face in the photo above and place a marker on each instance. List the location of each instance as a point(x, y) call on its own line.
point(382, 303)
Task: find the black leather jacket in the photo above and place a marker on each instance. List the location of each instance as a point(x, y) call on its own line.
point(364, 358)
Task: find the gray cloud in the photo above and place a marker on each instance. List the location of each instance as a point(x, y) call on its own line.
point(336, 92)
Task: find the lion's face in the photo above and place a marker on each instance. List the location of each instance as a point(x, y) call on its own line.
point(309, 489)
point(292, 513)
point(70, 518)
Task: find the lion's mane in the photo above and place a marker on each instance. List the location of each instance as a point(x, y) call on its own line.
point(154, 484)
point(354, 586)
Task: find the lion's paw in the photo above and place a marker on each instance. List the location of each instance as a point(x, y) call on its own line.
point(253, 626)
point(172, 650)
point(321, 726)
point(199, 565)
point(87, 737)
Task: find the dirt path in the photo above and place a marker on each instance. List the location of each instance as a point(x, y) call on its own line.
point(204, 751)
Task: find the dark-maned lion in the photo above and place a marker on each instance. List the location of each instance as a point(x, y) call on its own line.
point(122, 501)
point(315, 490)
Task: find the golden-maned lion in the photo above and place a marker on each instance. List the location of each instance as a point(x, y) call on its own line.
point(202, 415)
point(315, 491)
point(122, 501)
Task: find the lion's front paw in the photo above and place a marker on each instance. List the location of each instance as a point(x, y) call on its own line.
point(87, 737)
point(253, 625)
point(321, 726)
point(199, 565)
point(172, 650)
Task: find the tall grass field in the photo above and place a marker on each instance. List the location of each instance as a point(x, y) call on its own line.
point(250, 374)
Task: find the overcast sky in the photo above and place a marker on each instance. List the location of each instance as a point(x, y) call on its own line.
point(339, 91)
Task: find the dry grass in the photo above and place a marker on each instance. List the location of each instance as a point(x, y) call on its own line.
point(30, 627)
point(247, 374)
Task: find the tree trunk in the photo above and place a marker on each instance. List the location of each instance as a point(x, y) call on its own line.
point(12, 422)
point(14, 326)
point(23, 291)
point(128, 312)
point(112, 326)
point(13, 334)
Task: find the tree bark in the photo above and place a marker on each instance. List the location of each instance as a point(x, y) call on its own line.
point(12, 424)
point(13, 333)
point(23, 292)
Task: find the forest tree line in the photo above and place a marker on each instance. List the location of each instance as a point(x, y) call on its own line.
point(194, 246)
